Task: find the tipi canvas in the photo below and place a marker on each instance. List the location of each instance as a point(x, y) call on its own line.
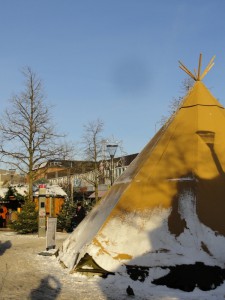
point(168, 207)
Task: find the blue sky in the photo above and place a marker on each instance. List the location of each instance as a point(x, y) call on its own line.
point(114, 60)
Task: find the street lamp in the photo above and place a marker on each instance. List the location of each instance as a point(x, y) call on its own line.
point(111, 148)
point(22, 178)
point(12, 172)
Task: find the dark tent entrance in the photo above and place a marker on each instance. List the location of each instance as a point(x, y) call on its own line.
point(12, 203)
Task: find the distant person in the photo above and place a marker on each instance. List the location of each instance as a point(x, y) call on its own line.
point(3, 213)
point(1, 218)
point(79, 215)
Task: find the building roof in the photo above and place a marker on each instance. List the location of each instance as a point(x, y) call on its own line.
point(53, 190)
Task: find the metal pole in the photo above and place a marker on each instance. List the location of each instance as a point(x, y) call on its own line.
point(112, 150)
point(42, 211)
point(111, 170)
point(50, 206)
point(12, 172)
point(71, 182)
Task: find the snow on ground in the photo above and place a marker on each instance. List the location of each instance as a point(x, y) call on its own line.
point(24, 274)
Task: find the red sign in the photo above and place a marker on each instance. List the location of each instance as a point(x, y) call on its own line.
point(42, 186)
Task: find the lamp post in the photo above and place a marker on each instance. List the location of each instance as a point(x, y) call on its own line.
point(111, 148)
point(22, 178)
point(12, 172)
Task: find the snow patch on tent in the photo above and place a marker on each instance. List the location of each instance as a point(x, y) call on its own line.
point(75, 247)
point(119, 240)
point(197, 234)
point(143, 239)
point(124, 239)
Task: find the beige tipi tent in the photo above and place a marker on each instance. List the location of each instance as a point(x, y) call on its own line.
point(168, 207)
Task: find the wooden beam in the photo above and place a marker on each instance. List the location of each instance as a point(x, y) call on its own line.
point(199, 66)
point(182, 66)
point(197, 76)
point(208, 68)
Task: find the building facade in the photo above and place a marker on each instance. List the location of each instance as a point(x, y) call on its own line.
point(78, 177)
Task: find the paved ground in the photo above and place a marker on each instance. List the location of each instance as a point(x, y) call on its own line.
point(24, 274)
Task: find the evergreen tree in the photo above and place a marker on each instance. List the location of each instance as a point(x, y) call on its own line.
point(64, 219)
point(27, 221)
point(17, 198)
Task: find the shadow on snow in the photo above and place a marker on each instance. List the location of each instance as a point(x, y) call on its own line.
point(4, 246)
point(49, 288)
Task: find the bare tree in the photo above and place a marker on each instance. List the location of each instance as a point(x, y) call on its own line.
point(27, 134)
point(92, 142)
point(94, 149)
point(69, 150)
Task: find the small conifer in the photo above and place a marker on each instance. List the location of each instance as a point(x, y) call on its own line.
point(27, 221)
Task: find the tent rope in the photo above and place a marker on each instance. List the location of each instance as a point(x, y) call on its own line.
point(197, 76)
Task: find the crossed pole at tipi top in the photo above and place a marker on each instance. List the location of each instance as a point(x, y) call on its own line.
point(197, 76)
